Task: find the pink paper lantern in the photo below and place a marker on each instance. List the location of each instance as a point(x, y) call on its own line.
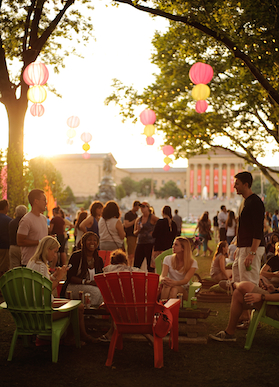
point(147, 117)
point(37, 109)
point(73, 122)
point(86, 155)
point(86, 137)
point(201, 73)
point(166, 168)
point(167, 150)
point(201, 106)
point(150, 140)
point(70, 141)
point(35, 74)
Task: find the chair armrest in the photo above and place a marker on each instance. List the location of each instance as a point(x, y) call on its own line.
point(272, 303)
point(71, 305)
point(3, 305)
point(171, 302)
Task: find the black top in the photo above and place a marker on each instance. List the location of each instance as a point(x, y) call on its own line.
point(75, 261)
point(13, 226)
point(251, 222)
point(163, 235)
point(4, 231)
point(130, 216)
point(215, 221)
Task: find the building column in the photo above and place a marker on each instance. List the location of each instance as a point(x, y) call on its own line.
point(195, 180)
point(202, 177)
point(228, 181)
point(211, 181)
point(188, 180)
point(220, 181)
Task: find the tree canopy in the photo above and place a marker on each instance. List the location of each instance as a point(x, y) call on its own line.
point(241, 42)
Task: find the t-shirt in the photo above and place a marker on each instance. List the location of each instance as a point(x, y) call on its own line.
point(40, 267)
point(35, 227)
point(58, 225)
point(273, 263)
point(178, 220)
point(274, 221)
point(231, 230)
point(175, 274)
point(222, 217)
point(250, 223)
point(130, 215)
point(4, 231)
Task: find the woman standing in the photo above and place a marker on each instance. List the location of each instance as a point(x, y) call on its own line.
point(230, 227)
point(91, 223)
point(178, 269)
point(111, 229)
point(85, 264)
point(164, 232)
point(144, 228)
point(204, 227)
point(218, 271)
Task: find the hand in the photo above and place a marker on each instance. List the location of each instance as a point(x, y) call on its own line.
point(60, 272)
point(251, 298)
point(168, 282)
point(270, 288)
point(248, 260)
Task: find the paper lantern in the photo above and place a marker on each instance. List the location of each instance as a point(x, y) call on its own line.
point(201, 106)
point(86, 137)
point(71, 133)
point(201, 73)
point(200, 91)
point(70, 141)
point(167, 160)
point(149, 130)
point(86, 147)
point(166, 168)
point(73, 122)
point(147, 117)
point(150, 140)
point(35, 74)
point(86, 155)
point(37, 110)
point(167, 150)
point(37, 94)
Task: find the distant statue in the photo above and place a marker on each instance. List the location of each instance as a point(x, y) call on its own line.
point(107, 165)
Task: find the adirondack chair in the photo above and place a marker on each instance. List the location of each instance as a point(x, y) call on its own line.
point(27, 296)
point(194, 286)
point(258, 316)
point(131, 301)
point(105, 255)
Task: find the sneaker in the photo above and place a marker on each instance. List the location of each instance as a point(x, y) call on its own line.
point(244, 325)
point(227, 285)
point(223, 336)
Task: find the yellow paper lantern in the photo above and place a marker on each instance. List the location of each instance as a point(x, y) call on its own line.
point(149, 130)
point(201, 91)
point(37, 94)
point(71, 133)
point(86, 147)
point(167, 160)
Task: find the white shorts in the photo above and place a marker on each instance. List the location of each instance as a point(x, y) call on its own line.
point(239, 272)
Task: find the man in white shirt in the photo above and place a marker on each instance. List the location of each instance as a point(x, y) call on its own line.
point(222, 218)
point(33, 226)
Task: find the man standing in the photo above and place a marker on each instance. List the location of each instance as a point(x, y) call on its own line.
point(275, 221)
point(129, 222)
point(33, 226)
point(15, 252)
point(4, 237)
point(222, 217)
point(178, 221)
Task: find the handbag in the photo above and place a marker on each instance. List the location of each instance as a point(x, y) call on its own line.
point(163, 321)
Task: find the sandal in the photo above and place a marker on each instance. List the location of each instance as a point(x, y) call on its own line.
point(103, 339)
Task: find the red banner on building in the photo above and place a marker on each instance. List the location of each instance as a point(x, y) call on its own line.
point(232, 180)
point(216, 179)
point(199, 181)
point(224, 180)
point(191, 181)
point(207, 179)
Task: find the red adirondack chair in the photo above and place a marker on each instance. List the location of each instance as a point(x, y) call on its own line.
point(131, 299)
point(105, 255)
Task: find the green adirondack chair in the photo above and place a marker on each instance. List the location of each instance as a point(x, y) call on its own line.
point(27, 296)
point(194, 286)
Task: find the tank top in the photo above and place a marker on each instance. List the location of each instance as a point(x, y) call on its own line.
point(215, 265)
point(145, 234)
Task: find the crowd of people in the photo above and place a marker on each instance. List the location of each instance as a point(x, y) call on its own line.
point(28, 240)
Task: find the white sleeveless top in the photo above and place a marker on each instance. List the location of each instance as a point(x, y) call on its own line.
point(108, 231)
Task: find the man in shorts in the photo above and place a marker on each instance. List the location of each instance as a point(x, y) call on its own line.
point(33, 226)
point(245, 296)
point(129, 222)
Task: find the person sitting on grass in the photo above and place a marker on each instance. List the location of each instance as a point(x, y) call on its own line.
point(178, 269)
point(246, 295)
point(218, 270)
point(47, 252)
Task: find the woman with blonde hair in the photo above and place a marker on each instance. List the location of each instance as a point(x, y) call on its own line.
point(178, 269)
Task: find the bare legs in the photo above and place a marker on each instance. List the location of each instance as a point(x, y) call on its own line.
point(171, 292)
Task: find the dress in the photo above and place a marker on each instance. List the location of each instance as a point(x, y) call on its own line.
point(80, 269)
point(35, 227)
point(4, 243)
point(250, 227)
point(164, 236)
point(145, 244)
point(109, 237)
point(175, 274)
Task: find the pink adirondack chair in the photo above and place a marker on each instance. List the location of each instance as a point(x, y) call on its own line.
point(131, 299)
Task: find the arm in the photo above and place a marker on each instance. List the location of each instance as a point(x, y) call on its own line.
point(86, 223)
point(267, 273)
point(24, 241)
point(164, 273)
point(222, 265)
point(120, 229)
point(58, 275)
point(170, 282)
point(128, 223)
point(137, 227)
point(249, 258)
point(50, 228)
